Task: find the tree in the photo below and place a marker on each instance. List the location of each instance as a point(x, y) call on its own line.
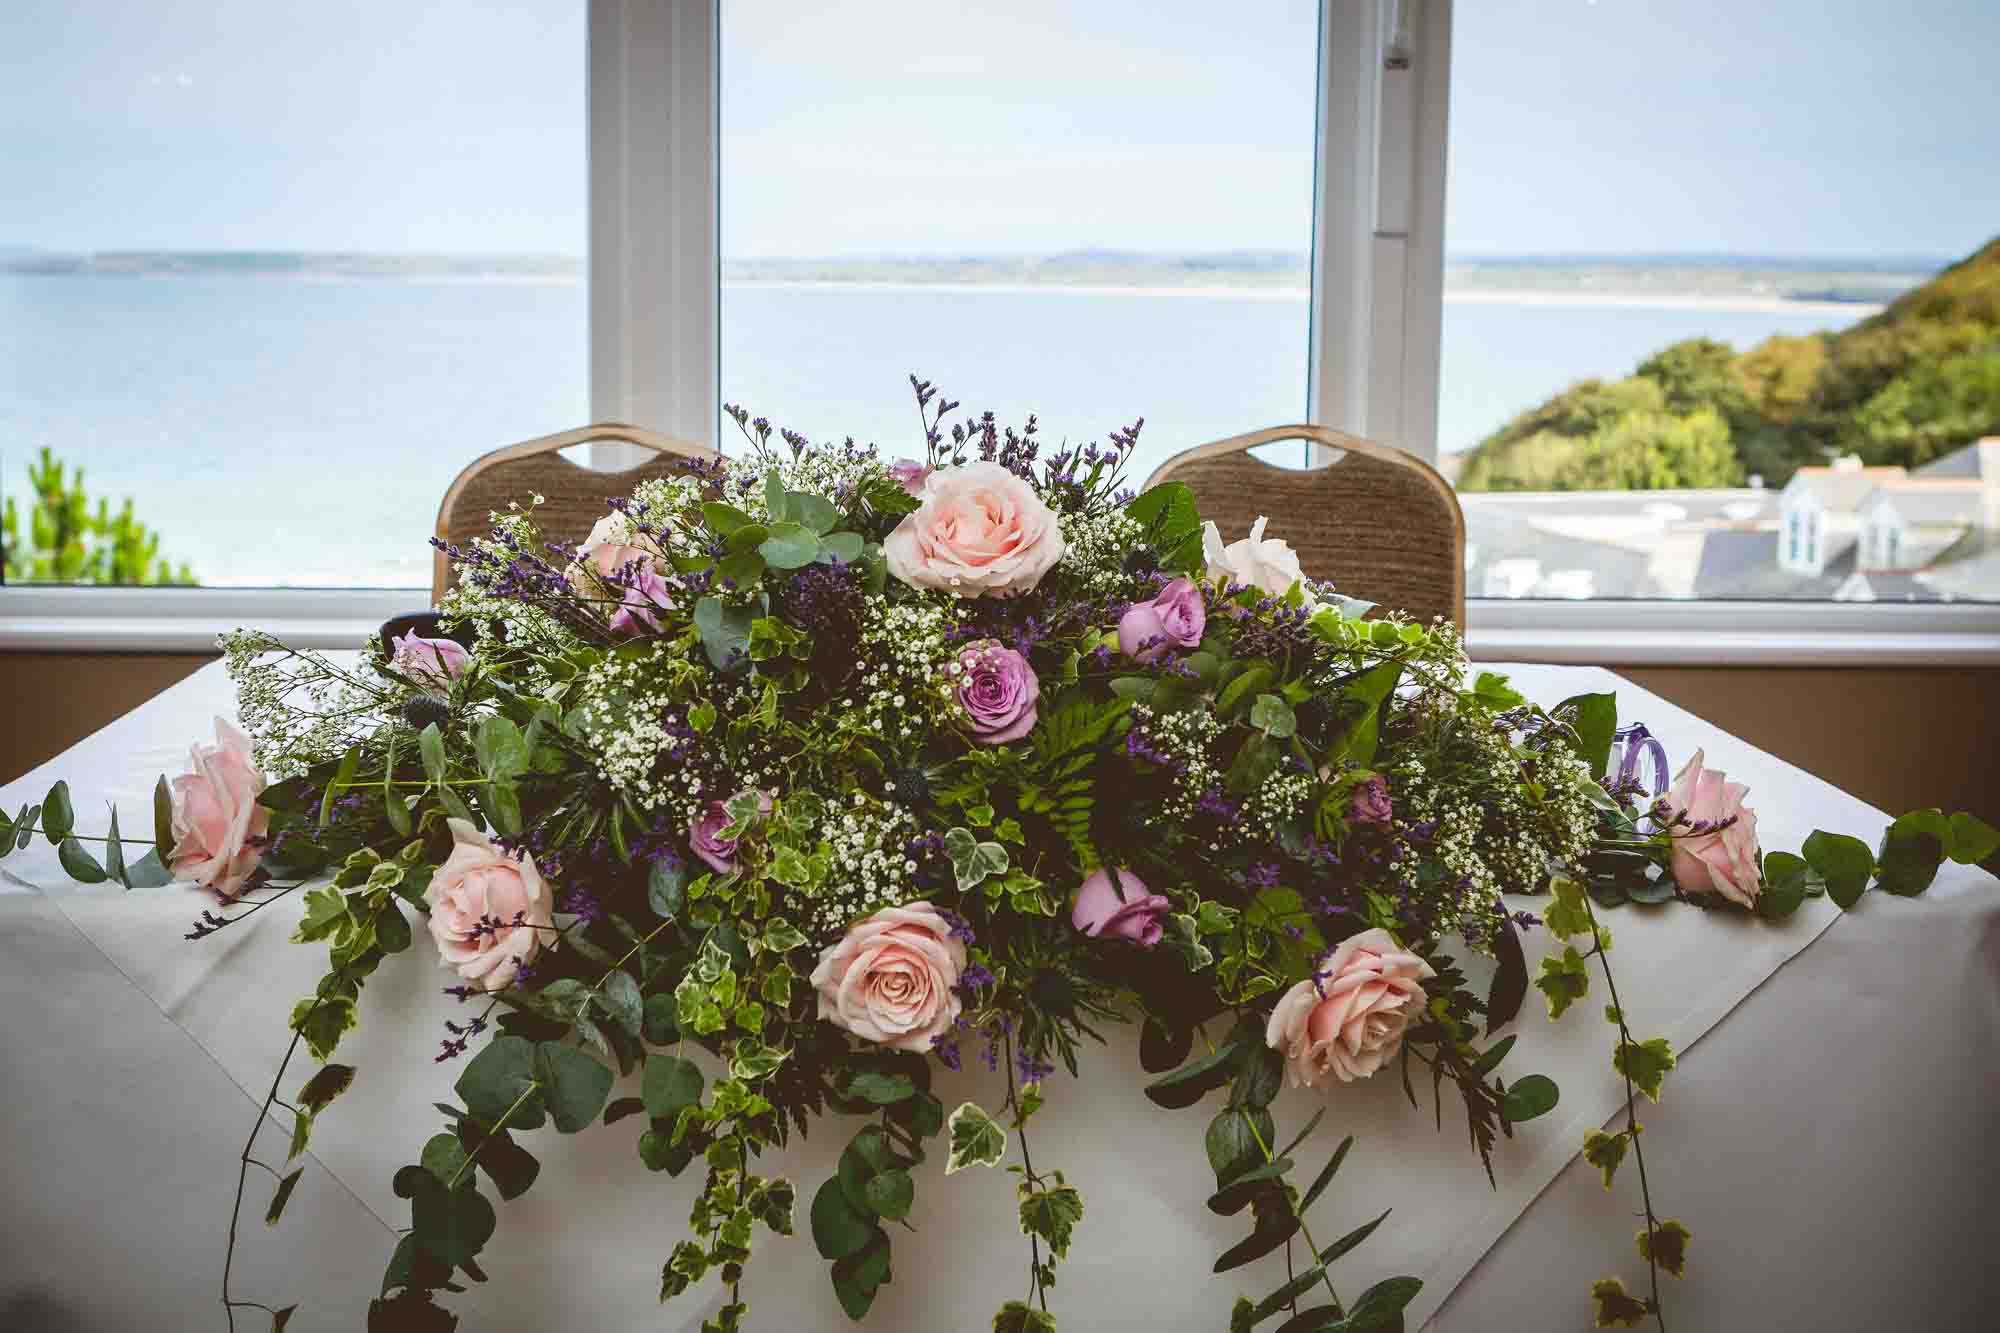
point(64, 541)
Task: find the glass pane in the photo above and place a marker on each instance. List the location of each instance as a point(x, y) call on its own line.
point(275, 273)
point(1702, 333)
point(1091, 212)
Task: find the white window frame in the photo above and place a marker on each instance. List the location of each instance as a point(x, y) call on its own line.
point(1377, 316)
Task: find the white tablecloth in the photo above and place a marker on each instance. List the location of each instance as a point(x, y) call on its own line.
point(1826, 1137)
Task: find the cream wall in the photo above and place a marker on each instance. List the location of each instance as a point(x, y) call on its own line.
point(1899, 738)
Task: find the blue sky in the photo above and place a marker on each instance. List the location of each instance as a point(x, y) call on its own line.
point(1781, 127)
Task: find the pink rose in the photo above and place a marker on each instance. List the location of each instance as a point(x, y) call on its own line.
point(911, 475)
point(432, 662)
point(705, 834)
point(998, 690)
point(642, 595)
point(1721, 853)
point(1174, 619)
point(890, 979)
point(1255, 562)
point(218, 826)
point(980, 530)
point(1100, 911)
point(611, 545)
point(488, 909)
point(1348, 1020)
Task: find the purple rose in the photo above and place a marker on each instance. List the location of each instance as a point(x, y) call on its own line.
point(997, 689)
point(433, 662)
point(1101, 911)
point(1174, 619)
point(1371, 803)
point(910, 475)
point(705, 834)
point(643, 595)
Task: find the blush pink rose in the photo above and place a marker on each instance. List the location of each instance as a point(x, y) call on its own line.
point(1174, 619)
point(610, 547)
point(891, 978)
point(1099, 911)
point(489, 909)
point(642, 595)
point(1714, 858)
point(433, 662)
point(1348, 1020)
point(980, 531)
point(218, 826)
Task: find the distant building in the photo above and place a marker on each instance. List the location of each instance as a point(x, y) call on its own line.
point(1819, 513)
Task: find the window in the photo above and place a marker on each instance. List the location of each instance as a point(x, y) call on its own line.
point(275, 273)
point(1667, 227)
point(1089, 212)
point(1085, 211)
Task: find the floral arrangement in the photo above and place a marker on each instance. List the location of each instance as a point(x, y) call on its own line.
point(809, 768)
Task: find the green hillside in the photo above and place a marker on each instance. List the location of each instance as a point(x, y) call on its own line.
point(1909, 384)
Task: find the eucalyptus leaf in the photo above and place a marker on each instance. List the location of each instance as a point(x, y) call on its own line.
point(163, 819)
point(79, 864)
point(1528, 1097)
point(58, 816)
point(789, 546)
point(114, 853)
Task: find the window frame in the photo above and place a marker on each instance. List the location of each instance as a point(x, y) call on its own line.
point(1376, 318)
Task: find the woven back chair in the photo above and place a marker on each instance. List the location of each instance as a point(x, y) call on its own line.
point(1382, 525)
point(573, 497)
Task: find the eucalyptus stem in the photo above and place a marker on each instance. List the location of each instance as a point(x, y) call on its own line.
point(1304, 1230)
point(506, 1115)
point(1631, 1115)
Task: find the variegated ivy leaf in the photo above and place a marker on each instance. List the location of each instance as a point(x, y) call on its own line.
point(1017, 1317)
point(976, 1139)
point(1567, 915)
point(1666, 1245)
point(1051, 1213)
point(1564, 980)
point(1605, 1152)
point(1616, 1307)
point(971, 860)
point(1645, 1062)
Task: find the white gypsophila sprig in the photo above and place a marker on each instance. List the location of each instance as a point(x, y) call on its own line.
point(1094, 550)
point(298, 707)
point(871, 867)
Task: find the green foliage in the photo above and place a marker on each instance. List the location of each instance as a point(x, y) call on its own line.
point(63, 539)
point(1665, 1243)
point(1915, 382)
point(1617, 1308)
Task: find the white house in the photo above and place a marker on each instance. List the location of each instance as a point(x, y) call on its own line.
point(1819, 512)
point(1907, 524)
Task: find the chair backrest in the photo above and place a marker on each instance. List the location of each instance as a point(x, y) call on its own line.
point(1382, 525)
point(574, 497)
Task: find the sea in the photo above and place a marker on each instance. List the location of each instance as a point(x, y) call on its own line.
point(299, 430)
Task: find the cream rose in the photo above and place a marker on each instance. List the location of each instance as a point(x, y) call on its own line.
point(1348, 1020)
point(890, 979)
point(1255, 562)
point(218, 826)
point(489, 910)
point(979, 531)
point(1715, 844)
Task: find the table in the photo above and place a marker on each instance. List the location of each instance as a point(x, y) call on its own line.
point(1826, 1136)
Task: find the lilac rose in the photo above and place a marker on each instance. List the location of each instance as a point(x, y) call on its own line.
point(1371, 804)
point(643, 595)
point(433, 662)
point(910, 475)
point(1100, 911)
point(998, 689)
point(705, 834)
point(1174, 619)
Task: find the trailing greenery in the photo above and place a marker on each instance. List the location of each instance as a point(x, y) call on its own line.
point(63, 539)
point(1905, 386)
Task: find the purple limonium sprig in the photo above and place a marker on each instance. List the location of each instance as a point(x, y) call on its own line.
point(961, 929)
point(581, 903)
point(974, 979)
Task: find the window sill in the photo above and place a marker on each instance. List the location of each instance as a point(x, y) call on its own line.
point(187, 620)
